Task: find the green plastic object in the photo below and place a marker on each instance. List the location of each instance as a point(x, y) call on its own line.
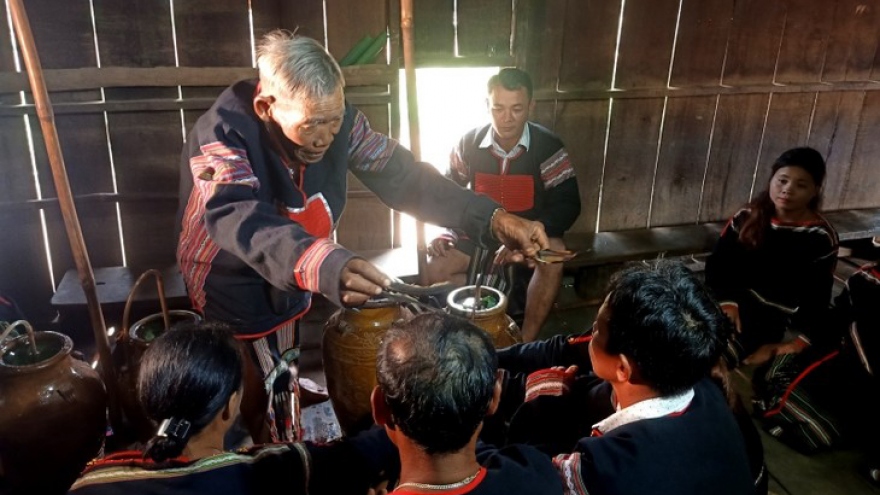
point(356, 51)
point(375, 47)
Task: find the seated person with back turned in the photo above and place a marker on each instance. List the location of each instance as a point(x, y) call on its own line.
point(437, 379)
point(523, 166)
point(264, 179)
point(647, 418)
point(190, 383)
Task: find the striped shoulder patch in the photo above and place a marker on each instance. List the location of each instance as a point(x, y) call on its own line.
point(556, 169)
point(569, 468)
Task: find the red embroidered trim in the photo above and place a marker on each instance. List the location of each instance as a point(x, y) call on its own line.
point(797, 380)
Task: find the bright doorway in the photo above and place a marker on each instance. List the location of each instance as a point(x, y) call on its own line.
point(451, 102)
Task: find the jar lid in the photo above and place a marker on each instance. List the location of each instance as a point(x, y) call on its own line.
point(461, 301)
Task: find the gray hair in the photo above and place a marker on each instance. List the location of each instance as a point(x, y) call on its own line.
point(296, 66)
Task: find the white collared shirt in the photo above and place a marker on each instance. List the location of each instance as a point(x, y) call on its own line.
point(646, 409)
point(489, 142)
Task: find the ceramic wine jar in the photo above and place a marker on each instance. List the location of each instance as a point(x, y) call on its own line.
point(53, 412)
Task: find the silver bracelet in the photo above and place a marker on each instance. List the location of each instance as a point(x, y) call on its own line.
point(492, 222)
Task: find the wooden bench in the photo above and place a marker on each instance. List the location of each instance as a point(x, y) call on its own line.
point(683, 240)
point(113, 284)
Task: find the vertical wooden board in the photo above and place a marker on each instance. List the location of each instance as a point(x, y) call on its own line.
point(788, 126)
point(306, 17)
point(854, 40)
point(134, 33)
point(365, 225)
point(83, 139)
point(736, 141)
point(348, 22)
point(681, 165)
point(213, 33)
point(433, 29)
point(149, 229)
point(17, 180)
point(646, 38)
point(484, 27)
point(7, 57)
point(754, 42)
point(582, 126)
point(198, 23)
point(65, 39)
point(588, 44)
point(266, 16)
point(805, 36)
point(63, 36)
point(100, 230)
point(24, 273)
point(147, 149)
point(539, 41)
point(544, 113)
point(835, 126)
point(703, 28)
point(863, 181)
point(145, 145)
point(875, 71)
point(629, 163)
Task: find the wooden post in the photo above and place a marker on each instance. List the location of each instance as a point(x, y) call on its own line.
point(65, 198)
point(412, 106)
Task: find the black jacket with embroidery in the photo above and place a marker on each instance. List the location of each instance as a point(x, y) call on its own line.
point(243, 259)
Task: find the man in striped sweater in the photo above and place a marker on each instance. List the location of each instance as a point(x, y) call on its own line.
point(525, 168)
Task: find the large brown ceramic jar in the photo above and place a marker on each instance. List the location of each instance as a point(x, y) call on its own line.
point(351, 341)
point(53, 413)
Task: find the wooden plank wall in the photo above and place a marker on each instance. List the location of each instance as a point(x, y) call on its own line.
point(127, 80)
point(674, 110)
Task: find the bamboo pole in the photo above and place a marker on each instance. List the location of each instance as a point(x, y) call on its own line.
point(65, 197)
point(412, 107)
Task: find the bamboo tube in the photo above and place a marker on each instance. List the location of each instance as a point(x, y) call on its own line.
point(65, 197)
point(412, 106)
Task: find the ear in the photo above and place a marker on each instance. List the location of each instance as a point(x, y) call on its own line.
point(230, 410)
point(381, 414)
point(496, 394)
point(263, 107)
point(531, 105)
point(624, 370)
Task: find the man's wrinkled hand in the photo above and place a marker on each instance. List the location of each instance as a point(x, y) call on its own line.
point(505, 255)
point(360, 280)
point(523, 237)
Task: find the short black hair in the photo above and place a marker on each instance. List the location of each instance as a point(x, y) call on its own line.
point(437, 372)
point(665, 321)
point(511, 79)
